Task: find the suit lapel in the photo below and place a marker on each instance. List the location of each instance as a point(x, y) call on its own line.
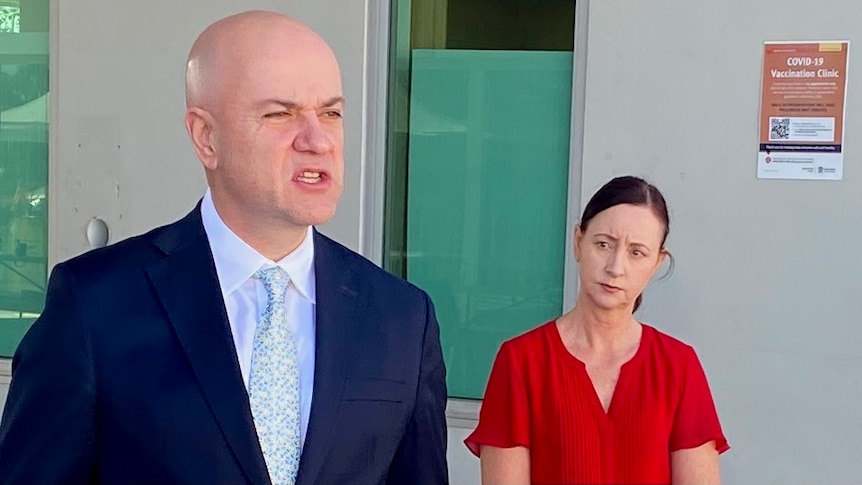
point(187, 285)
point(335, 326)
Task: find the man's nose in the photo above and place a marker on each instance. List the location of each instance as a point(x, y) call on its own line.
point(312, 136)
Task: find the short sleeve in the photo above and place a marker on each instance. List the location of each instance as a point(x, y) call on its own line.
point(504, 416)
point(696, 420)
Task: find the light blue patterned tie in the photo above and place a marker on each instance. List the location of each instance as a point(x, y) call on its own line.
point(274, 383)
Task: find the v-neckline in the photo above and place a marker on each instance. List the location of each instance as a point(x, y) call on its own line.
point(621, 379)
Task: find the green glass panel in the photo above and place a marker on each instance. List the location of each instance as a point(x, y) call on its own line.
point(24, 45)
point(487, 190)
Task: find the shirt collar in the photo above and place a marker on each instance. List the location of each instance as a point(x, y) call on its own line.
point(236, 261)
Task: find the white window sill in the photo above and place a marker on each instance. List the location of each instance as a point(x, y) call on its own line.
point(462, 413)
point(5, 371)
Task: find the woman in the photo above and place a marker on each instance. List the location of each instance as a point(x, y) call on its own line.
point(595, 396)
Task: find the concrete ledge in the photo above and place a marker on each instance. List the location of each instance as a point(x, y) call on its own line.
point(5, 370)
point(462, 413)
point(5, 378)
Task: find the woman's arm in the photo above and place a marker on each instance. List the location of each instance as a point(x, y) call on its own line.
point(505, 466)
point(696, 466)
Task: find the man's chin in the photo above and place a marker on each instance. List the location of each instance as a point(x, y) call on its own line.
point(318, 218)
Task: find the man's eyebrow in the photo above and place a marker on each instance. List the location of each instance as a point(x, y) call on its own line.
point(288, 104)
point(332, 102)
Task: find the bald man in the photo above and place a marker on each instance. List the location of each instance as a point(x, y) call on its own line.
point(237, 345)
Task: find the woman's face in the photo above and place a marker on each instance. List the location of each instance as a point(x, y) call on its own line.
point(618, 253)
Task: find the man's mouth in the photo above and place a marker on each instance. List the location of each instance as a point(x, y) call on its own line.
point(311, 177)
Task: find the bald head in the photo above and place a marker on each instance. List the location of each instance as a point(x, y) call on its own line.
point(227, 50)
point(264, 115)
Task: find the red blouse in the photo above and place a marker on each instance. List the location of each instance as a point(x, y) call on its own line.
point(540, 396)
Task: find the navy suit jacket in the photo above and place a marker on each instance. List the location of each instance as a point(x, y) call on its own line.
point(130, 375)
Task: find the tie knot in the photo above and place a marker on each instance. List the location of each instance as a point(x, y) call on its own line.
point(275, 280)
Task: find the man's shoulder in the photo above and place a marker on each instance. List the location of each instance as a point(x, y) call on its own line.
point(131, 252)
point(373, 278)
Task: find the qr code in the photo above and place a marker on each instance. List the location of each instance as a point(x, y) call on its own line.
point(779, 128)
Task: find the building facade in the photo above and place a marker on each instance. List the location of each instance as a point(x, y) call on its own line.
point(475, 132)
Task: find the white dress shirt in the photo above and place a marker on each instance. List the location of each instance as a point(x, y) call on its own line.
point(245, 297)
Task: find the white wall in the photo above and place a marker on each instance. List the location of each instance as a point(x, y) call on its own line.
point(463, 466)
point(767, 281)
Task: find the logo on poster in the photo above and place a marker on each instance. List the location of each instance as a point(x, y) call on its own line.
point(768, 159)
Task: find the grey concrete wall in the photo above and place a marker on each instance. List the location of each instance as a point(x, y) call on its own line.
point(463, 466)
point(767, 278)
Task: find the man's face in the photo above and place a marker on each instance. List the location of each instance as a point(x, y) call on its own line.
point(278, 136)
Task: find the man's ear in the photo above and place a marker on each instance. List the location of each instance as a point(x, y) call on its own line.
point(199, 125)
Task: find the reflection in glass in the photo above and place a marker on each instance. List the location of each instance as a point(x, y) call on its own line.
point(10, 18)
point(487, 204)
point(477, 168)
point(23, 167)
